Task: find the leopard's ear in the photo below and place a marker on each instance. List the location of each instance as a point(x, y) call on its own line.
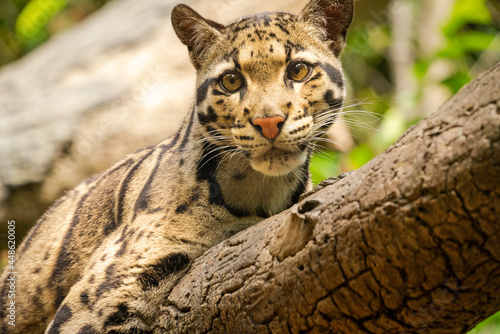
point(330, 18)
point(196, 32)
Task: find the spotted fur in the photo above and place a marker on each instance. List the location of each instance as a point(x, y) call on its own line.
point(103, 258)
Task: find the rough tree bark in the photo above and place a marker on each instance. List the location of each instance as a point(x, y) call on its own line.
point(409, 243)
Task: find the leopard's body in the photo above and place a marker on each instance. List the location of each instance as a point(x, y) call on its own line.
point(103, 258)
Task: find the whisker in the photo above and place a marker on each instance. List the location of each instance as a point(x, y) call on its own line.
point(327, 141)
point(228, 156)
point(328, 156)
point(212, 151)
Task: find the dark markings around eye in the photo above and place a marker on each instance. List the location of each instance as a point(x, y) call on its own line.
point(201, 92)
point(334, 104)
point(211, 112)
point(316, 77)
point(204, 118)
point(218, 92)
point(294, 46)
point(234, 56)
point(208, 117)
point(334, 74)
point(289, 46)
point(331, 101)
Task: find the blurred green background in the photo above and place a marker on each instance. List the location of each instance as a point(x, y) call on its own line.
point(403, 60)
point(403, 64)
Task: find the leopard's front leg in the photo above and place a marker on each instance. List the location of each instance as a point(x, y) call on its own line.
point(130, 274)
point(123, 296)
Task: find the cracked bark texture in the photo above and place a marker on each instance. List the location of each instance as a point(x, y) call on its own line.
point(409, 243)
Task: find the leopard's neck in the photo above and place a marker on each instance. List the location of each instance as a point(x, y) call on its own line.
point(233, 182)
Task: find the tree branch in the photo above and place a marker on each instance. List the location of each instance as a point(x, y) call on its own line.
point(407, 243)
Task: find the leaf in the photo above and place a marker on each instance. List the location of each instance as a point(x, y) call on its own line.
point(457, 81)
point(35, 17)
point(465, 12)
point(360, 155)
point(323, 165)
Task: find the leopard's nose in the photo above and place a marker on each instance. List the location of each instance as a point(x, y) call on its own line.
point(269, 127)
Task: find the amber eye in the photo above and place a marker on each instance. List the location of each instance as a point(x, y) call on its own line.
point(298, 71)
point(232, 81)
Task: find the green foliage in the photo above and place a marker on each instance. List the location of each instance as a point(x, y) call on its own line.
point(489, 326)
point(32, 21)
point(360, 155)
point(26, 24)
point(457, 80)
point(469, 31)
point(324, 164)
point(467, 12)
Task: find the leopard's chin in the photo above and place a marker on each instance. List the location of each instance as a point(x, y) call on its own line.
point(276, 162)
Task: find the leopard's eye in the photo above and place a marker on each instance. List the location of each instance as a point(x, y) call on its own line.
point(298, 71)
point(232, 82)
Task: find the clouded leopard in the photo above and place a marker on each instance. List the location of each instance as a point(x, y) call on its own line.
point(103, 258)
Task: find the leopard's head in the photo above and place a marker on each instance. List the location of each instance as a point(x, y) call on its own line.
point(269, 85)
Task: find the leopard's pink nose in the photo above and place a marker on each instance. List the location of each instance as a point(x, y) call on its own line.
point(269, 127)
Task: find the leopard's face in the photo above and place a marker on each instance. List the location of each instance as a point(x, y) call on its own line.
point(270, 91)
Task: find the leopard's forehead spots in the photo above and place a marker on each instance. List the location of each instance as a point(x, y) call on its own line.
point(263, 45)
point(262, 31)
point(276, 21)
